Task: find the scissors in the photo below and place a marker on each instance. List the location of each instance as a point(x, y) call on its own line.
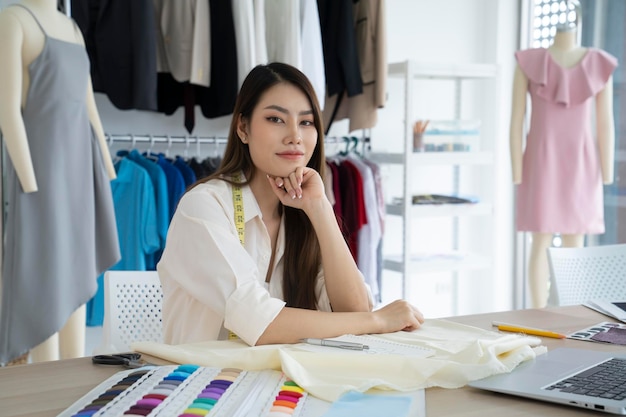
point(127, 360)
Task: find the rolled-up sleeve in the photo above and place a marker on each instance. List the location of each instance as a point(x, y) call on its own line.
point(205, 262)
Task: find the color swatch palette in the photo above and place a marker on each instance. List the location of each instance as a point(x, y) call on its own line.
point(192, 391)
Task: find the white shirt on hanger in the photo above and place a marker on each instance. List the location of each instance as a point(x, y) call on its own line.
point(294, 36)
point(243, 18)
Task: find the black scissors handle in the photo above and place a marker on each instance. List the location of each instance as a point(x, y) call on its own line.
point(130, 360)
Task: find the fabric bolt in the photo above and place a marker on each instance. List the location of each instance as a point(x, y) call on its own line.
point(561, 188)
point(207, 274)
point(59, 238)
point(135, 214)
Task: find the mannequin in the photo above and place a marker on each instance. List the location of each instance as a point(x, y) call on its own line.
point(563, 55)
point(22, 41)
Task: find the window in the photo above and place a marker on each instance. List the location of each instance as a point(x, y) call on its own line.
point(547, 15)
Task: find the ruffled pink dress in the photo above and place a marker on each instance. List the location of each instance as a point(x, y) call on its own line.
point(561, 188)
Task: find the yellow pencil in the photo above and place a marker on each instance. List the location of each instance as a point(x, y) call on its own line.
point(506, 327)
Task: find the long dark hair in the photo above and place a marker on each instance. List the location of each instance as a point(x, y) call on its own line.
point(302, 258)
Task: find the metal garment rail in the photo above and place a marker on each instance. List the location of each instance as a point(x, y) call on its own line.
point(188, 140)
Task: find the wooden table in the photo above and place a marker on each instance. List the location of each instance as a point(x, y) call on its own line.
point(46, 389)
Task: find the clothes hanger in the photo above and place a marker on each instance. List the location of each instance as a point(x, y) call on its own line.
point(346, 150)
point(355, 144)
point(149, 154)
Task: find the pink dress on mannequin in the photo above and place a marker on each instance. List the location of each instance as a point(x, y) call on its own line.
point(561, 188)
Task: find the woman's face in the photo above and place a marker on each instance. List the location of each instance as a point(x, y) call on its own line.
point(281, 133)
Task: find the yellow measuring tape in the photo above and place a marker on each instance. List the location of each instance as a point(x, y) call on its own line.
point(238, 203)
point(239, 223)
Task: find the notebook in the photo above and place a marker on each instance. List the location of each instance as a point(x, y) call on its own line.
point(555, 376)
point(617, 310)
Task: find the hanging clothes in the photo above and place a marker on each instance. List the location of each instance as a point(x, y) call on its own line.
point(135, 213)
point(159, 182)
point(146, 191)
point(359, 208)
point(120, 37)
point(341, 59)
point(371, 40)
point(219, 98)
point(61, 237)
point(294, 37)
point(245, 22)
point(183, 33)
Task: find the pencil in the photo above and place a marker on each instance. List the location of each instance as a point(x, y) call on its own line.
point(506, 327)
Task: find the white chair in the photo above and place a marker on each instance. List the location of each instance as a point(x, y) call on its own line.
point(132, 310)
point(578, 275)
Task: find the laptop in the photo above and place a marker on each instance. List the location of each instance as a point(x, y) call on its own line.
point(574, 377)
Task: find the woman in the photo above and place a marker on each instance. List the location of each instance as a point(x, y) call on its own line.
point(254, 250)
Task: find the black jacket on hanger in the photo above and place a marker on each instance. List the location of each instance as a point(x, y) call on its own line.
point(341, 61)
point(120, 37)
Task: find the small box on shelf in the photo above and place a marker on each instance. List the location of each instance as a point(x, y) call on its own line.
point(448, 136)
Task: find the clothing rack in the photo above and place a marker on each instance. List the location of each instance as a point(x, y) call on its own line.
point(198, 140)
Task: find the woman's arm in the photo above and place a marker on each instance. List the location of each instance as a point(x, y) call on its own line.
point(344, 282)
point(293, 324)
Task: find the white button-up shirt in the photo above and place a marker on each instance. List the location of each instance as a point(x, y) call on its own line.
point(211, 283)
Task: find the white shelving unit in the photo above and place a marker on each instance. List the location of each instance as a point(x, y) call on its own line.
point(407, 262)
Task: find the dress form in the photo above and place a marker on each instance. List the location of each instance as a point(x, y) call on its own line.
point(565, 52)
point(21, 42)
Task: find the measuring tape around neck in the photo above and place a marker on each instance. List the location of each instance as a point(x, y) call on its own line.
point(239, 223)
point(239, 215)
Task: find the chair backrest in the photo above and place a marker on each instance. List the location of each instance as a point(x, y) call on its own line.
point(578, 275)
point(132, 310)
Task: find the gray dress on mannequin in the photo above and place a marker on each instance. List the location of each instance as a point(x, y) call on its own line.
point(61, 237)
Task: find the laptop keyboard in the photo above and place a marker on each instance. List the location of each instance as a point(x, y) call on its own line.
point(605, 380)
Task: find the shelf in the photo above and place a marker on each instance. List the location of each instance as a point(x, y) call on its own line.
point(476, 163)
point(442, 210)
point(438, 263)
point(435, 158)
point(442, 71)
